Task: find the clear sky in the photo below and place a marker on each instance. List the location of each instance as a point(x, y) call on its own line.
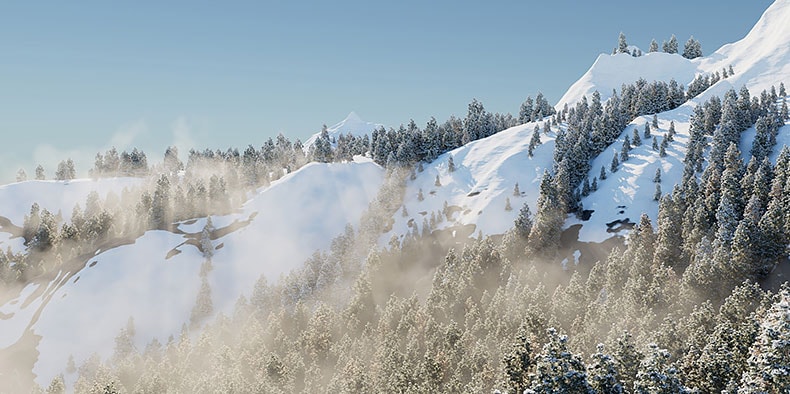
point(78, 77)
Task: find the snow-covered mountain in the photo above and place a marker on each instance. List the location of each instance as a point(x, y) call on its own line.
point(492, 166)
point(352, 124)
point(281, 225)
point(156, 279)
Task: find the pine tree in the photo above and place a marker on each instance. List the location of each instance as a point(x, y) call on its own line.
point(594, 185)
point(508, 207)
point(65, 170)
point(534, 141)
point(603, 374)
point(516, 191)
point(662, 152)
point(420, 196)
point(626, 149)
point(654, 145)
point(615, 164)
point(40, 173)
point(21, 175)
point(653, 46)
point(437, 182)
point(519, 362)
point(657, 176)
point(655, 121)
point(636, 139)
point(657, 375)
point(545, 234)
point(523, 223)
point(525, 112)
point(692, 49)
point(657, 193)
point(603, 170)
point(557, 370)
point(768, 369)
point(671, 46)
point(622, 45)
point(627, 359)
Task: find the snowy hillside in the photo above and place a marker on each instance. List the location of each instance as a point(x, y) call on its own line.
point(760, 60)
point(485, 176)
point(352, 124)
point(277, 230)
point(612, 71)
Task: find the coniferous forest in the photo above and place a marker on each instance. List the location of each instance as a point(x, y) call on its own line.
point(688, 302)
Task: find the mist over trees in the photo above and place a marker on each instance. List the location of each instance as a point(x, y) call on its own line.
point(680, 305)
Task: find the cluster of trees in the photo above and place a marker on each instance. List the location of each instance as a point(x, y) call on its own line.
point(691, 50)
point(134, 163)
point(593, 126)
point(409, 145)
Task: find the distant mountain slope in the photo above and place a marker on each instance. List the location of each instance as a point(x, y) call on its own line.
point(277, 230)
point(352, 124)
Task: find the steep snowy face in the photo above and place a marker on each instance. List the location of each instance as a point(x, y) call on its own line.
point(481, 186)
point(762, 58)
point(352, 124)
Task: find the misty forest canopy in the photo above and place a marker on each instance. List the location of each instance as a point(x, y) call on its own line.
point(683, 303)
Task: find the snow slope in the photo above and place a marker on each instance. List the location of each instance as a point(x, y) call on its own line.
point(493, 165)
point(760, 60)
point(352, 124)
point(288, 221)
point(610, 72)
point(485, 176)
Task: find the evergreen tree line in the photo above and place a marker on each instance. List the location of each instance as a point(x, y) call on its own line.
point(691, 50)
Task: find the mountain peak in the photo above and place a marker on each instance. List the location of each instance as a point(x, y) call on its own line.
point(353, 117)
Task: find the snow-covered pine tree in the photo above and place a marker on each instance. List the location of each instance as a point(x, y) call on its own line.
point(622, 45)
point(534, 141)
point(525, 112)
point(40, 173)
point(692, 49)
point(671, 46)
point(653, 46)
point(635, 138)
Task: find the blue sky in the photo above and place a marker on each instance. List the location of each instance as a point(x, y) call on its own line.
point(77, 77)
